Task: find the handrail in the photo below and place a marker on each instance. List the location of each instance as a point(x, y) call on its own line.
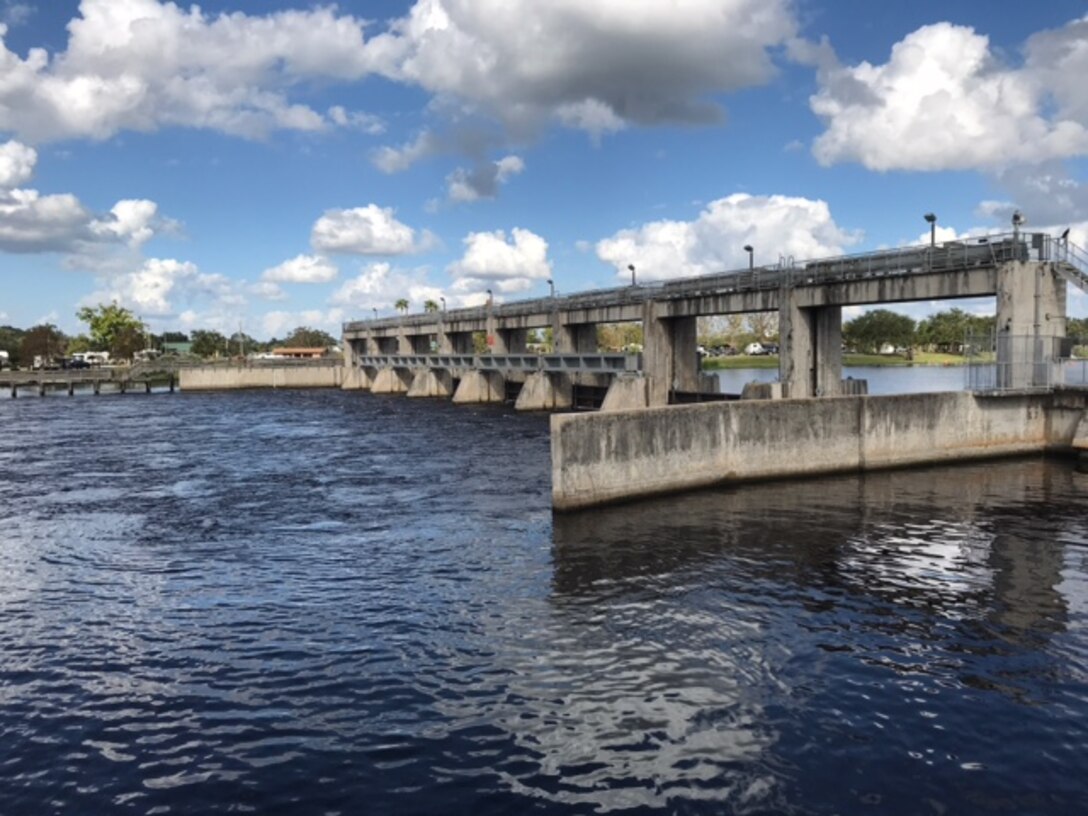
point(972, 252)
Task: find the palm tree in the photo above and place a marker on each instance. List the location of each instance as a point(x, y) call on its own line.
point(430, 306)
point(401, 305)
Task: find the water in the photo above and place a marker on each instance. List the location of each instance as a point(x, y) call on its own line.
point(325, 602)
point(885, 380)
point(882, 379)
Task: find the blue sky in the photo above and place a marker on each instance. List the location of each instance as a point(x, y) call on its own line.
point(282, 163)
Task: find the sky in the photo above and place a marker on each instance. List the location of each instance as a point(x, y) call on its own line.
point(265, 165)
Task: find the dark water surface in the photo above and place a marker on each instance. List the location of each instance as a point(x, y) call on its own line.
point(325, 602)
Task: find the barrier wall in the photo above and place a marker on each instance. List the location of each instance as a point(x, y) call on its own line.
point(607, 457)
point(222, 378)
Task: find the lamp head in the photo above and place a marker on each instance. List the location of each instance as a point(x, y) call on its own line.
point(930, 218)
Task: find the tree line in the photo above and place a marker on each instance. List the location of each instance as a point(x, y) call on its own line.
point(945, 331)
point(115, 329)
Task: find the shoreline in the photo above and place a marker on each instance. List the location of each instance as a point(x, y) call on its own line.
point(853, 360)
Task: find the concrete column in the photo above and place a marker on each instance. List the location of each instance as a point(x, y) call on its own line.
point(1031, 313)
point(455, 343)
point(352, 373)
point(810, 349)
point(481, 386)
point(445, 339)
point(404, 342)
point(627, 392)
point(391, 381)
point(669, 356)
point(573, 338)
point(545, 391)
point(515, 341)
point(431, 382)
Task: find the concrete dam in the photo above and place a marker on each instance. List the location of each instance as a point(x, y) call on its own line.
point(643, 443)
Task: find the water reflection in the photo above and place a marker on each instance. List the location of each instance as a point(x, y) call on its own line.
point(773, 619)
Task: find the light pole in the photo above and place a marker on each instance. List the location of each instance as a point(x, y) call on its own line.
point(443, 303)
point(375, 310)
point(1017, 222)
point(632, 268)
point(931, 219)
point(751, 257)
point(551, 284)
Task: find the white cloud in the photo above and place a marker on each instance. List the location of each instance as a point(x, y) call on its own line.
point(945, 101)
point(302, 269)
point(16, 14)
point(397, 159)
point(148, 64)
point(31, 222)
point(380, 286)
point(492, 261)
point(144, 64)
point(266, 290)
point(281, 323)
point(483, 181)
point(358, 120)
point(17, 163)
point(596, 66)
point(775, 226)
point(131, 220)
point(154, 288)
point(369, 230)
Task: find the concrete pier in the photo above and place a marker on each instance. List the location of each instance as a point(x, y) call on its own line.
point(545, 391)
point(480, 387)
point(608, 457)
point(431, 382)
point(230, 377)
point(391, 381)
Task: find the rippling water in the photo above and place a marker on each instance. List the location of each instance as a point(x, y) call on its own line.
point(324, 602)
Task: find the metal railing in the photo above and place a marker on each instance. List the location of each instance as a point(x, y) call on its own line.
point(1073, 262)
point(569, 363)
point(1000, 363)
point(949, 256)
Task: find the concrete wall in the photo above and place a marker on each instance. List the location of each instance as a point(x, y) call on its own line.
point(218, 378)
point(606, 457)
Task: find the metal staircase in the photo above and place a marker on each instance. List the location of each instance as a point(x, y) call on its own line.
point(1072, 264)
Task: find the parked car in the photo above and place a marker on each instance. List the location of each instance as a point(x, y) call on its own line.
point(754, 349)
point(75, 362)
point(770, 348)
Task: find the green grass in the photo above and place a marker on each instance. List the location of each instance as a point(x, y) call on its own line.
point(771, 361)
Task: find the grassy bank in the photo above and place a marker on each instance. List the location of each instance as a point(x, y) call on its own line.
point(770, 361)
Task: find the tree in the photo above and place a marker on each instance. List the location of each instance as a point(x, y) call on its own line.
point(208, 343)
point(1077, 328)
point(127, 341)
point(242, 344)
point(305, 337)
point(764, 325)
point(112, 328)
point(873, 329)
point(45, 341)
point(79, 344)
point(430, 306)
point(401, 305)
point(947, 330)
point(175, 337)
point(11, 341)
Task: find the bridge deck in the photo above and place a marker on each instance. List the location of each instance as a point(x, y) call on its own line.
point(947, 259)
